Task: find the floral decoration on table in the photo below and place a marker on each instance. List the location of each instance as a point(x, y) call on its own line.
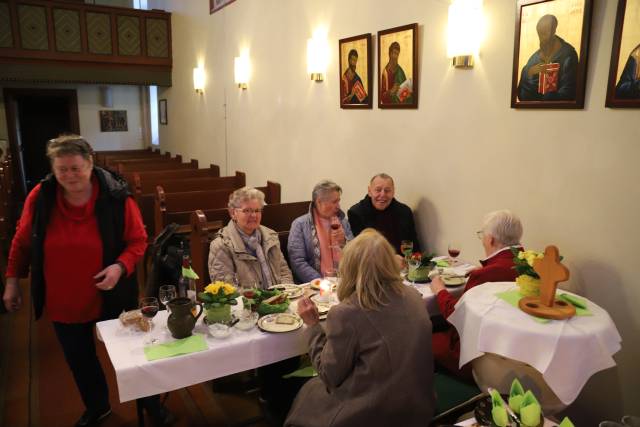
point(419, 266)
point(218, 297)
point(266, 301)
point(528, 280)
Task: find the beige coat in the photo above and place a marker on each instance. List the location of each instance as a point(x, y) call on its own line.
point(375, 368)
point(228, 255)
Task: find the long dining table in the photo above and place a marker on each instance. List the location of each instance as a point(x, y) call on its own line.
point(241, 351)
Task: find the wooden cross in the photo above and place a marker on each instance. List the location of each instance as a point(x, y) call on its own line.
point(551, 272)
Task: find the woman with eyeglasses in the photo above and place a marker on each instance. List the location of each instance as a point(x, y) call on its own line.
point(246, 248)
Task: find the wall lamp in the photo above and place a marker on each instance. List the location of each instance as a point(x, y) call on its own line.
point(198, 79)
point(242, 71)
point(317, 56)
point(465, 32)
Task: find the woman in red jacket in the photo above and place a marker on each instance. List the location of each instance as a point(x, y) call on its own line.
point(81, 235)
point(501, 231)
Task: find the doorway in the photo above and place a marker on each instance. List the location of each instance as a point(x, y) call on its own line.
point(34, 116)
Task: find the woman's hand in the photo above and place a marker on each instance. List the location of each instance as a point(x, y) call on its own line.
point(337, 236)
point(110, 276)
point(308, 311)
point(437, 285)
point(12, 296)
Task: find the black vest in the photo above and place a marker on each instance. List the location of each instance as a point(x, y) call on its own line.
point(109, 211)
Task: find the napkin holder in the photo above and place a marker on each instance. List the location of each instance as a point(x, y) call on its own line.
point(551, 272)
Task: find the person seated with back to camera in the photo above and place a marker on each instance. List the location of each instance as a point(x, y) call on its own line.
point(380, 210)
point(373, 353)
point(245, 248)
point(316, 237)
point(501, 231)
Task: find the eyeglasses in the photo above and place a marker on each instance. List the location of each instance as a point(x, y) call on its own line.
point(480, 234)
point(249, 211)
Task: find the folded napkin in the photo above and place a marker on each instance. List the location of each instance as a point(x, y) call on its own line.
point(566, 422)
point(498, 411)
point(530, 410)
point(306, 372)
point(191, 344)
point(513, 296)
point(574, 300)
point(516, 395)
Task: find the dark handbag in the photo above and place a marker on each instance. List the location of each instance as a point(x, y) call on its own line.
point(166, 259)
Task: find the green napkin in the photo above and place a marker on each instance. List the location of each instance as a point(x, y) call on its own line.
point(566, 422)
point(498, 412)
point(442, 263)
point(189, 273)
point(579, 303)
point(513, 296)
point(187, 345)
point(530, 411)
point(516, 395)
point(306, 372)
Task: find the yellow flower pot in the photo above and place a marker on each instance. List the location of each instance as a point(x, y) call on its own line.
point(529, 286)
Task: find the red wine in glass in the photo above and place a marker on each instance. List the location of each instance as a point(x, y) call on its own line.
point(453, 253)
point(149, 311)
point(335, 225)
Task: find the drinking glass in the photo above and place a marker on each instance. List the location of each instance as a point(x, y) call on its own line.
point(166, 294)
point(406, 248)
point(413, 265)
point(454, 251)
point(149, 307)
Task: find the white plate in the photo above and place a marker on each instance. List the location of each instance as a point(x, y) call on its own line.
point(453, 280)
point(269, 322)
point(290, 290)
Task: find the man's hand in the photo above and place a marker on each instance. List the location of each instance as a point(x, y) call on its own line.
point(308, 311)
point(109, 276)
point(12, 296)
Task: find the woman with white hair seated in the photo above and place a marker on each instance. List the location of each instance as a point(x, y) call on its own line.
point(501, 231)
point(246, 248)
point(316, 237)
point(373, 353)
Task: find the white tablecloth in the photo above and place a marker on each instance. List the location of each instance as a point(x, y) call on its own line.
point(566, 352)
point(136, 377)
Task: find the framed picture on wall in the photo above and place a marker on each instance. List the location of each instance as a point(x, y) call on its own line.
point(623, 90)
point(398, 67)
point(162, 111)
point(355, 72)
point(113, 121)
point(550, 53)
point(216, 5)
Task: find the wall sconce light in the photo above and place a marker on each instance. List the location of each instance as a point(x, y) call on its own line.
point(198, 79)
point(465, 31)
point(241, 71)
point(317, 56)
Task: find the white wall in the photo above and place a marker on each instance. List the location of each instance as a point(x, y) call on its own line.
point(571, 175)
point(89, 104)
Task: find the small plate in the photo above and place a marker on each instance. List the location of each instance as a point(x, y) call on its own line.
point(453, 281)
point(291, 291)
point(269, 323)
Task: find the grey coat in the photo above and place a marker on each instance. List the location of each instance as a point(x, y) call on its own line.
point(303, 246)
point(375, 368)
point(228, 255)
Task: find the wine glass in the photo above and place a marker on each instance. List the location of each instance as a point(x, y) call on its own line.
point(406, 248)
point(166, 294)
point(413, 265)
point(149, 307)
point(454, 251)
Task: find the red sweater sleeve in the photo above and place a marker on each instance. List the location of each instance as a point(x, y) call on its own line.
point(134, 235)
point(447, 302)
point(20, 252)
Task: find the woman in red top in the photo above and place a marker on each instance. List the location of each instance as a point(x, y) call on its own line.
point(501, 231)
point(81, 235)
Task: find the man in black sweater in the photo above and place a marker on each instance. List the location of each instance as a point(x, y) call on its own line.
point(381, 211)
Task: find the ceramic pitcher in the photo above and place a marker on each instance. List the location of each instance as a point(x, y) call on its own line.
point(181, 320)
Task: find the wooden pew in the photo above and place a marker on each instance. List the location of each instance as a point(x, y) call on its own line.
point(99, 156)
point(207, 199)
point(204, 225)
point(109, 161)
point(145, 194)
point(123, 168)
